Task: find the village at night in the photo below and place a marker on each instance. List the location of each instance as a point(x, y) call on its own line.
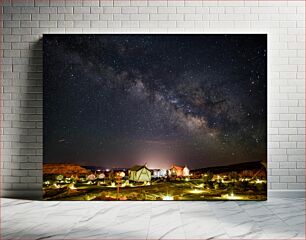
point(155, 117)
point(142, 183)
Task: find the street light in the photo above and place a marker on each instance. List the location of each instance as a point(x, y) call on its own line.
point(119, 177)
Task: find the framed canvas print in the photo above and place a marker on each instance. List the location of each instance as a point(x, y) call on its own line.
point(155, 117)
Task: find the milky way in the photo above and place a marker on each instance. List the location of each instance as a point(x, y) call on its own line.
point(120, 100)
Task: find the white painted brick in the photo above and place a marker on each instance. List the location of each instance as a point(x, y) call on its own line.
point(296, 172)
point(167, 24)
point(280, 172)
point(81, 24)
point(277, 186)
point(149, 24)
point(296, 158)
point(279, 124)
point(176, 17)
point(57, 17)
point(96, 10)
point(287, 179)
point(97, 3)
point(48, 9)
point(91, 16)
point(157, 3)
point(268, 10)
point(141, 17)
point(197, 3)
point(57, 3)
point(196, 17)
point(202, 10)
point(210, 17)
point(287, 145)
point(73, 3)
point(130, 24)
point(41, 3)
point(40, 16)
point(273, 179)
point(297, 124)
point(128, 10)
point(29, 24)
point(287, 131)
point(81, 10)
point(300, 179)
point(157, 17)
point(138, 3)
point(230, 17)
point(112, 10)
point(62, 10)
point(98, 24)
point(287, 165)
point(147, 9)
point(166, 9)
point(47, 24)
point(185, 9)
point(73, 16)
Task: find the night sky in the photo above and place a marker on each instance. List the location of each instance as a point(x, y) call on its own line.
point(120, 100)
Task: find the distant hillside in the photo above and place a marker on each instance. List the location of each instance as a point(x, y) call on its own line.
point(234, 167)
point(64, 169)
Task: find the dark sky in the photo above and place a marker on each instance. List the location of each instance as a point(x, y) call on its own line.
point(120, 100)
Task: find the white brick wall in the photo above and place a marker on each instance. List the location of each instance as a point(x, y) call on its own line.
point(24, 22)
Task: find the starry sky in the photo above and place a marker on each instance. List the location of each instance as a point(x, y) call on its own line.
point(119, 100)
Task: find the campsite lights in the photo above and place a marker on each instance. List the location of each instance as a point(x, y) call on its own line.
point(231, 196)
point(167, 198)
point(196, 191)
point(119, 177)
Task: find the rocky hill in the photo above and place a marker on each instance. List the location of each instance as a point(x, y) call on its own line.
point(64, 169)
point(243, 169)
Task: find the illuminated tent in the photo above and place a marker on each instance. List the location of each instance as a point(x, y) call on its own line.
point(139, 174)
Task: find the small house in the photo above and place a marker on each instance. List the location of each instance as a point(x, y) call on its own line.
point(176, 171)
point(159, 173)
point(139, 174)
point(185, 171)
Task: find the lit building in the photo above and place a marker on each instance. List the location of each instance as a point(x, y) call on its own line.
point(158, 173)
point(185, 171)
point(176, 171)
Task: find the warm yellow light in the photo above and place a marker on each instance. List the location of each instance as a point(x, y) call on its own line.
point(231, 196)
point(71, 186)
point(196, 191)
point(167, 198)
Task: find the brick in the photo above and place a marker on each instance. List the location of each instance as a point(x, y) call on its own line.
point(147, 9)
point(127, 10)
point(62, 10)
point(48, 10)
point(288, 179)
point(296, 186)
